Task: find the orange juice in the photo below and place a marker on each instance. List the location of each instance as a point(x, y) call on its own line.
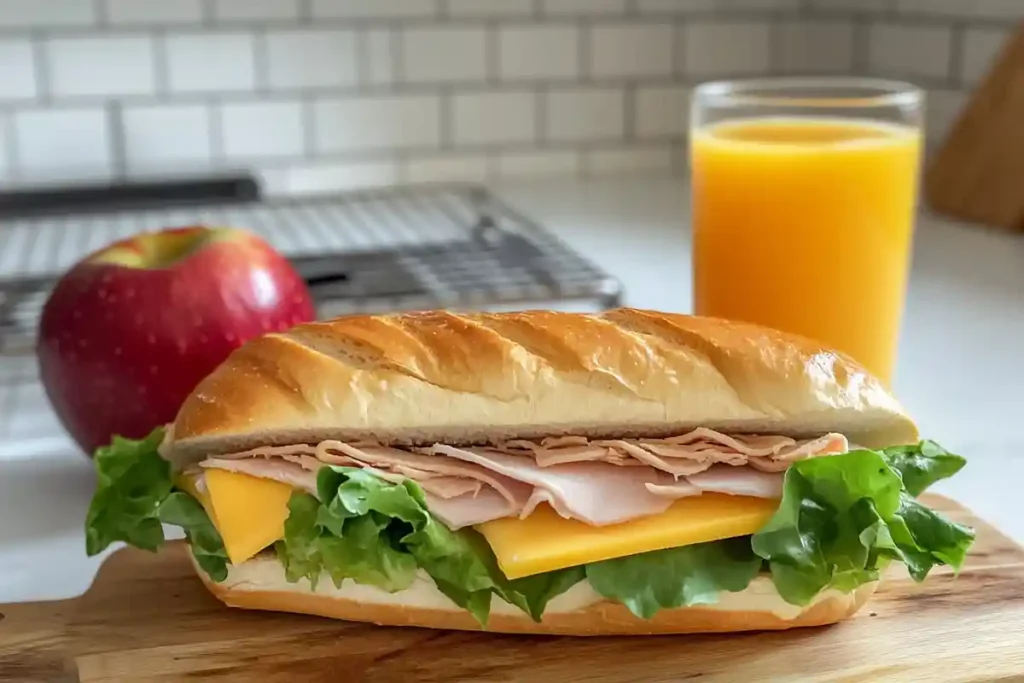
point(805, 225)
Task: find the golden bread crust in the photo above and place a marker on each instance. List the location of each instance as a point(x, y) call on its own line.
point(439, 376)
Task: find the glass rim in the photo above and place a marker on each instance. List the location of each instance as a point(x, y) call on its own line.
point(860, 92)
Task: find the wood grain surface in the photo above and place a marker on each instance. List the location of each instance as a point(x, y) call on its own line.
point(147, 618)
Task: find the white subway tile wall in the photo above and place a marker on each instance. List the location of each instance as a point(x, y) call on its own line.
point(538, 52)
point(583, 7)
point(440, 168)
point(211, 62)
point(311, 59)
point(17, 70)
point(318, 95)
point(676, 6)
point(981, 46)
point(494, 118)
point(436, 55)
point(5, 141)
point(384, 124)
point(543, 164)
point(262, 130)
point(579, 114)
point(631, 50)
point(152, 12)
point(716, 49)
point(63, 144)
point(662, 111)
point(862, 6)
point(600, 162)
point(813, 46)
point(127, 65)
point(255, 10)
point(490, 8)
point(910, 51)
point(166, 137)
point(48, 13)
point(986, 9)
point(374, 9)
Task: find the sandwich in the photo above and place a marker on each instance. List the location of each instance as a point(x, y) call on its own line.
point(629, 472)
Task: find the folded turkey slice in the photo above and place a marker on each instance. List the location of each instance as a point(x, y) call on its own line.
point(595, 481)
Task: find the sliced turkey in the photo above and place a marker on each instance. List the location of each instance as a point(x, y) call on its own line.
point(681, 455)
point(739, 481)
point(599, 482)
point(277, 469)
point(467, 510)
point(515, 492)
point(595, 493)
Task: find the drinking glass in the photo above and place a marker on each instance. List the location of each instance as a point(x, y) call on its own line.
point(803, 207)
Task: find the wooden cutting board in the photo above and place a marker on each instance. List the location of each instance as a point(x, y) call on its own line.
point(147, 618)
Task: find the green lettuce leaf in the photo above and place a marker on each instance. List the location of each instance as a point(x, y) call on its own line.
point(379, 533)
point(181, 509)
point(135, 494)
point(842, 517)
point(676, 577)
point(923, 464)
point(132, 482)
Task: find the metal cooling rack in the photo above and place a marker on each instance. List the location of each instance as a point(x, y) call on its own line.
point(440, 246)
point(407, 248)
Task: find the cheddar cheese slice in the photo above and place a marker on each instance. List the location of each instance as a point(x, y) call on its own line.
point(249, 512)
point(546, 541)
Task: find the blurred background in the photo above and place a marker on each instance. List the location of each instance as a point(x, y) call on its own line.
point(468, 154)
point(371, 92)
point(118, 116)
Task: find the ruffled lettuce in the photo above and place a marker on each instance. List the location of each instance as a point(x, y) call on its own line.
point(676, 577)
point(841, 519)
point(135, 495)
point(380, 533)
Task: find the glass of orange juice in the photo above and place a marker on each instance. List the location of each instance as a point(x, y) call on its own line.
point(804, 197)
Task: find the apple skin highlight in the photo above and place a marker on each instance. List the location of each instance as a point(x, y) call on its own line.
point(132, 328)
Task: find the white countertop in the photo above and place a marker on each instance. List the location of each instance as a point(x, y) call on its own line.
point(960, 373)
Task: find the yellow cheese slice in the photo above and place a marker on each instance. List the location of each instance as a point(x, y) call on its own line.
point(546, 541)
point(248, 512)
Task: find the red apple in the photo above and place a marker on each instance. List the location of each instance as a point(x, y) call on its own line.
point(130, 330)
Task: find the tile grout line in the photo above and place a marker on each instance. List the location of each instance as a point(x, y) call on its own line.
point(446, 119)
point(541, 122)
point(161, 65)
point(678, 49)
point(861, 58)
point(585, 47)
point(740, 16)
point(116, 143)
point(102, 13)
point(261, 61)
point(309, 127)
point(208, 15)
point(10, 150)
point(493, 53)
point(41, 65)
point(629, 106)
point(398, 75)
point(363, 68)
point(217, 147)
